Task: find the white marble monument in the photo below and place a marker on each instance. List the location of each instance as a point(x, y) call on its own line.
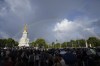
point(24, 41)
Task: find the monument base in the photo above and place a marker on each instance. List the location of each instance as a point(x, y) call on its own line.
point(23, 45)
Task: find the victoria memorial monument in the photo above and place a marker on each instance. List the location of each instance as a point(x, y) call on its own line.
point(24, 41)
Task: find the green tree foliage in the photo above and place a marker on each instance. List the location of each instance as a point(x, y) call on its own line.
point(16, 43)
point(39, 43)
point(8, 42)
point(73, 43)
point(64, 45)
point(94, 41)
point(32, 44)
point(53, 44)
point(2, 42)
point(69, 44)
point(82, 42)
point(57, 45)
point(42, 43)
point(77, 43)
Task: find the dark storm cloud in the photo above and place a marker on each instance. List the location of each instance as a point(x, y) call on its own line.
point(43, 15)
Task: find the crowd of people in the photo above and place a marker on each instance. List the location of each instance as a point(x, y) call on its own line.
point(50, 57)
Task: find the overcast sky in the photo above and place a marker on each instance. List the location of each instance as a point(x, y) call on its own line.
point(52, 20)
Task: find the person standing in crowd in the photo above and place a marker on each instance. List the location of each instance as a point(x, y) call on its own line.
point(36, 59)
point(52, 57)
point(8, 62)
point(57, 60)
point(31, 60)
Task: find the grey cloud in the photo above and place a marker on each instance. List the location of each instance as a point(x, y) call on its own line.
point(42, 15)
point(67, 30)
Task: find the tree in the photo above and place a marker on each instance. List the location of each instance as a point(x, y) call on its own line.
point(53, 44)
point(57, 45)
point(40, 43)
point(2, 43)
point(16, 43)
point(82, 42)
point(73, 43)
point(64, 45)
point(11, 42)
point(93, 41)
point(77, 43)
point(69, 44)
point(32, 44)
point(8, 42)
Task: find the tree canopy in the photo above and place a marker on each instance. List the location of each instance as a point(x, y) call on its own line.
point(8, 42)
point(40, 42)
